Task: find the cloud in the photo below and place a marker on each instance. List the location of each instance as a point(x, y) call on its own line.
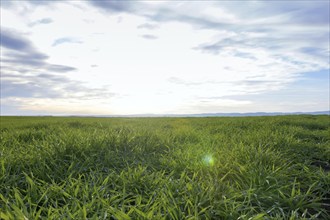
point(32, 84)
point(159, 13)
point(276, 44)
point(41, 21)
point(261, 86)
point(52, 77)
point(149, 37)
point(10, 41)
point(228, 50)
point(244, 55)
point(306, 25)
point(27, 75)
point(34, 60)
point(315, 14)
point(10, 88)
point(115, 5)
point(23, 53)
point(148, 26)
point(66, 40)
point(256, 25)
point(303, 52)
point(35, 84)
point(166, 15)
point(301, 13)
point(30, 62)
point(59, 68)
point(308, 93)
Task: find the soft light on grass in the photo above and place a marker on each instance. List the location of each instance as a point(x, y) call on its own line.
point(165, 168)
point(208, 160)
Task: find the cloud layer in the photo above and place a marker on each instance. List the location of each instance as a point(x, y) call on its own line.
point(26, 74)
point(127, 57)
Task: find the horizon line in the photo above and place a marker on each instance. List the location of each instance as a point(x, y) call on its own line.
point(216, 114)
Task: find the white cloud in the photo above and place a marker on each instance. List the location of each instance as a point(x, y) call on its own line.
point(197, 52)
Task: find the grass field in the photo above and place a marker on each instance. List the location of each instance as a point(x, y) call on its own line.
point(165, 168)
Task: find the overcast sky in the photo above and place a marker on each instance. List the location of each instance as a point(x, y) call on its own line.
point(163, 57)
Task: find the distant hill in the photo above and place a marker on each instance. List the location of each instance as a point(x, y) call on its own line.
point(222, 114)
point(233, 114)
point(265, 113)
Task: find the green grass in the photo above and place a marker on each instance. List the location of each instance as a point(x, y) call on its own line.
point(165, 168)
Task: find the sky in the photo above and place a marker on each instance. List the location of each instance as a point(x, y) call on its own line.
point(163, 57)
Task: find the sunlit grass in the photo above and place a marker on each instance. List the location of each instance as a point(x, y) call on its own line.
point(165, 168)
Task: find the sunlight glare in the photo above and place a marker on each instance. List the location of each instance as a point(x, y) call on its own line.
point(208, 160)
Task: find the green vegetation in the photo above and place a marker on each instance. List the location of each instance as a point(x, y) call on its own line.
point(165, 168)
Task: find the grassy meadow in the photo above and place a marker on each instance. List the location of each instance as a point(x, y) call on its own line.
point(165, 168)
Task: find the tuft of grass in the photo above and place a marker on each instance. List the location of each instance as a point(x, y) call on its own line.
point(165, 168)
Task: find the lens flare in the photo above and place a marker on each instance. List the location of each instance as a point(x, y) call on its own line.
point(208, 160)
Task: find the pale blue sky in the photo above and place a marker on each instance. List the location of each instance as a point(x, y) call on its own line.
point(163, 57)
